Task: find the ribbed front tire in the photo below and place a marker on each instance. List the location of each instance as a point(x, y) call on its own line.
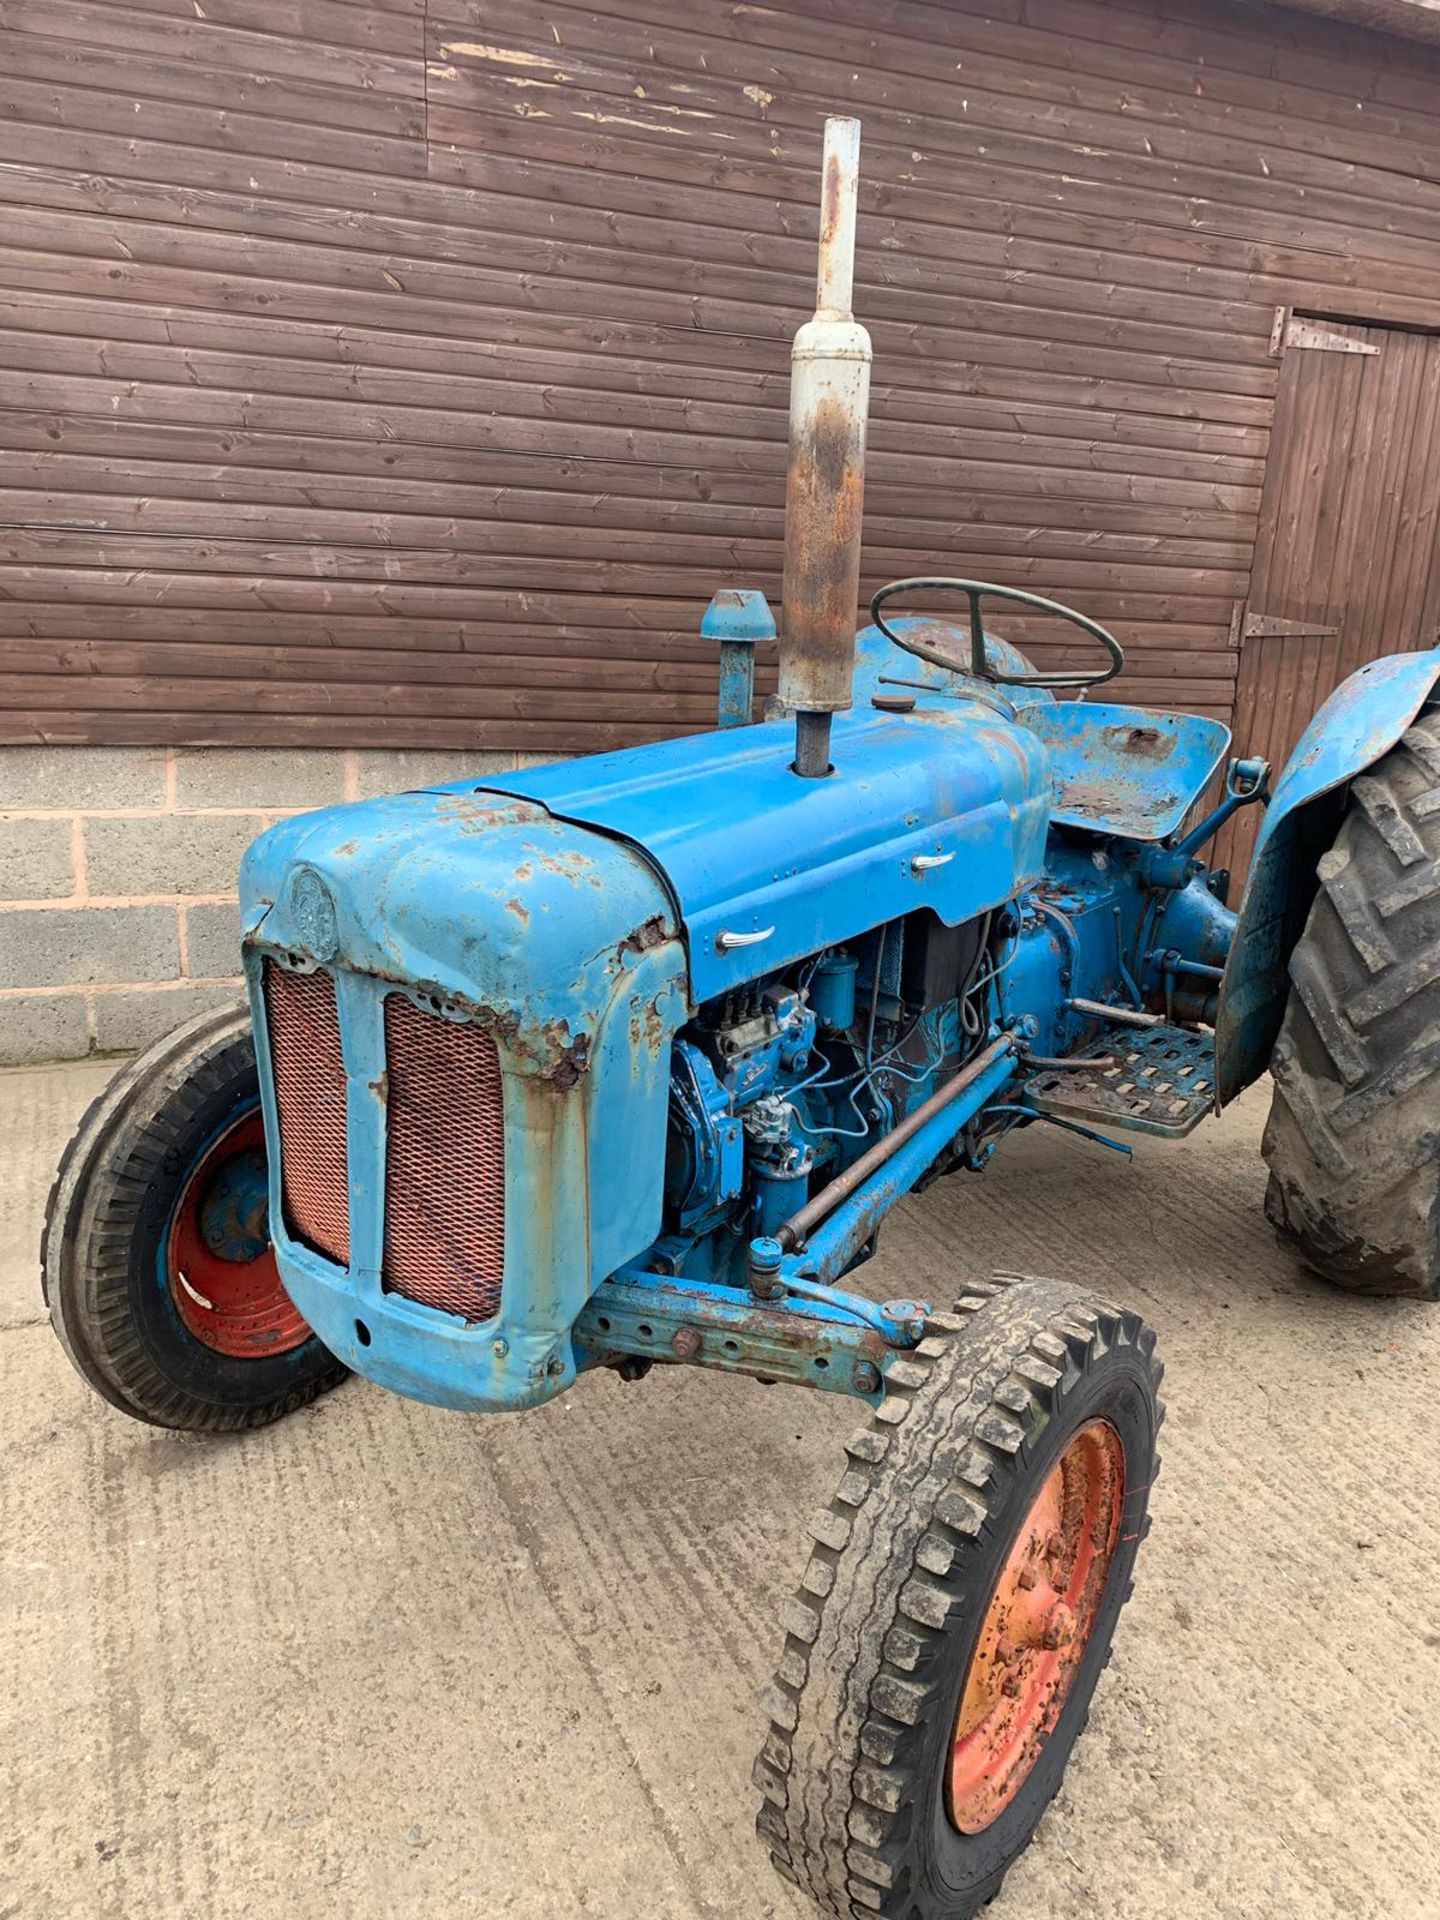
point(166, 1325)
point(916, 1599)
point(1353, 1139)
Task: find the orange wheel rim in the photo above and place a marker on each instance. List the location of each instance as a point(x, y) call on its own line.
point(1036, 1629)
point(217, 1256)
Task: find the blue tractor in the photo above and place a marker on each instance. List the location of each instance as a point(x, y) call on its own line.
point(624, 1061)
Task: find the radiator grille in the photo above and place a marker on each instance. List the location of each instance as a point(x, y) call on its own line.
point(309, 1077)
point(444, 1163)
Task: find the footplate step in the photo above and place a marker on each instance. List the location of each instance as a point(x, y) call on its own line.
point(1161, 1081)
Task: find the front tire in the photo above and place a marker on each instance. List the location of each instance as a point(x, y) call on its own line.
point(156, 1261)
point(1353, 1138)
point(959, 1604)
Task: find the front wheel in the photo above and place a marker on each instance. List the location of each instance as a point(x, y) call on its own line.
point(959, 1604)
point(156, 1258)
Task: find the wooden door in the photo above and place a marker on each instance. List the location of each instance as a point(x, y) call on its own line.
point(1347, 563)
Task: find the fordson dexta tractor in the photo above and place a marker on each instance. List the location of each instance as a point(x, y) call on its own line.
point(624, 1061)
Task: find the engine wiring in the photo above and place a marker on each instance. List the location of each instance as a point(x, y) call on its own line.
point(872, 1064)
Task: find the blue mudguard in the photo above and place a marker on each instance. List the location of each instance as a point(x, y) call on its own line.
point(1357, 725)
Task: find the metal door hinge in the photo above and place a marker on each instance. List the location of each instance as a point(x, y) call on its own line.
point(1294, 330)
point(1266, 626)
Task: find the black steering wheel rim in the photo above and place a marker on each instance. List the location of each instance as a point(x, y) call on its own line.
point(975, 591)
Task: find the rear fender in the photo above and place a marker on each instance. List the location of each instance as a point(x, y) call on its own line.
point(1358, 725)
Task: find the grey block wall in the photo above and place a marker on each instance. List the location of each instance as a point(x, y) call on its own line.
point(117, 877)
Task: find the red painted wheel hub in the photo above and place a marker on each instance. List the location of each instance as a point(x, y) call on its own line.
point(218, 1258)
point(1036, 1628)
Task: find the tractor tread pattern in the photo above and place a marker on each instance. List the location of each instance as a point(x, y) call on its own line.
point(1353, 1138)
point(850, 1700)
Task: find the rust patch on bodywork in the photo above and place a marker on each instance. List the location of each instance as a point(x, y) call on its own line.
point(649, 1031)
point(571, 865)
point(573, 1060)
point(650, 933)
point(1141, 743)
point(476, 812)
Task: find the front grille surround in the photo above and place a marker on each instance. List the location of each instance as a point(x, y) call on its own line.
point(444, 1163)
point(308, 1070)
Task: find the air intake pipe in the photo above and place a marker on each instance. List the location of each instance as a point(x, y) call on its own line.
point(825, 487)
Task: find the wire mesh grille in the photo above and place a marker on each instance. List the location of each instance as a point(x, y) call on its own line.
point(309, 1075)
point(444, 1163)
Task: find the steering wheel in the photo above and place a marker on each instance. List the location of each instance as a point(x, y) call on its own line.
point(975, 591)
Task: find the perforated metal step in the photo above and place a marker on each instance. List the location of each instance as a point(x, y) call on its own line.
point(1158, 1080)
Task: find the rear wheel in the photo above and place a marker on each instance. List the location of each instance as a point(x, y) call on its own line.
point(157, 1264)
point(959, 1604)
point(1353, 1139)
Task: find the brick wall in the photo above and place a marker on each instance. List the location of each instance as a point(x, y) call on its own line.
point(117, 877)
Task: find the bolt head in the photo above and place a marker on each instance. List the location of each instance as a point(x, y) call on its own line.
point(866, 1377)
point(1061, 1628)
point(500, 1348)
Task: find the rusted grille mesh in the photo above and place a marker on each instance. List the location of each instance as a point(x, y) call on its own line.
point(444, 1163)
point(310, 1093)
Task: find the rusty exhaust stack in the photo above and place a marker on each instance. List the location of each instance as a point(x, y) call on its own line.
point(825, 488)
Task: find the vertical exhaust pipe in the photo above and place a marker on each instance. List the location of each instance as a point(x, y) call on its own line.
point(825, 486)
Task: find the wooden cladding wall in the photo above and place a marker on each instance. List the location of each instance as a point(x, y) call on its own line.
point(412, 373)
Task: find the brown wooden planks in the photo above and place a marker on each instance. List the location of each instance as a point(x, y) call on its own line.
point(350, 353)
point(1348, 534)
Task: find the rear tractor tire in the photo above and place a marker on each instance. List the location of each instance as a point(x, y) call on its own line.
point(1353, 1139)
point(156, 1258)
point(959, 1604)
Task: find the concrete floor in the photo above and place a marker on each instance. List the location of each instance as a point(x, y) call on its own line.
point(387, 1660)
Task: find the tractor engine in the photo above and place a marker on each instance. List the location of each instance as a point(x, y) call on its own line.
point(793, 1075)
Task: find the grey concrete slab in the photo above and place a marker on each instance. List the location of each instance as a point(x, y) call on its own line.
point(39, 1109)
point(387, 1660)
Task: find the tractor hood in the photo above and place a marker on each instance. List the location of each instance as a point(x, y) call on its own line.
point(945, 807)
point(529, 893)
